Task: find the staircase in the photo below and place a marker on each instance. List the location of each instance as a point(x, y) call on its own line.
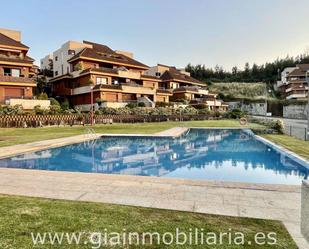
point(148, 102)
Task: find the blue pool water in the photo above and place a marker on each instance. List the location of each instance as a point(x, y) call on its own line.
point(228, 155)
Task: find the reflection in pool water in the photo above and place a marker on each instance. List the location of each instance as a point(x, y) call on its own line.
point(215, 154)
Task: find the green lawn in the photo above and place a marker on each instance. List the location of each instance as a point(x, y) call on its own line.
point(21, 216)
point(11, 136)
point(298, 146)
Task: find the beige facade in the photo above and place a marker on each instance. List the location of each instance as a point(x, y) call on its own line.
point(16, 68)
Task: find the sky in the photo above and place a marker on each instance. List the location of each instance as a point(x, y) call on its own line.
point(172, 32)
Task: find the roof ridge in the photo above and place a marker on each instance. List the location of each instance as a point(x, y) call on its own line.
point(15, 41)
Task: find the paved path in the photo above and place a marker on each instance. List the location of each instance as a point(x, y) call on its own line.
point(278, 202)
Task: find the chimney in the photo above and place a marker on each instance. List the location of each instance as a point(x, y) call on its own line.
point(13, 34)
point(125, 53)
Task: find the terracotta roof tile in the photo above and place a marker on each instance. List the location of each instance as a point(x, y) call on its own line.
point(18, 60)
point(7, 41)
point(174, 74)
point(102, 52)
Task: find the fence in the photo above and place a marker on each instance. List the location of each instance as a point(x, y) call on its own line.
point(296, 131)
point(7, 121)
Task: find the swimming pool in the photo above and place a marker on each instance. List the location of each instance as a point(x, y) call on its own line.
point(203, 154)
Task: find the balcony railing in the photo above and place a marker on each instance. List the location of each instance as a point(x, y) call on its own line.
point(18, 97)
point(6, 78)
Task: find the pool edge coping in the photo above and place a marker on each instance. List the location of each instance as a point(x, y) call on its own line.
point(168, 133)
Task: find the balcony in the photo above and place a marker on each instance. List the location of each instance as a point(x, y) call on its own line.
point(12, 79)
point(136, 88)
point(192, 89)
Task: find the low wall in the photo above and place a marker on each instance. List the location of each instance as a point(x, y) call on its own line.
point(29, 104)
point(295, 111)
point(305, 210)
point(7, 121)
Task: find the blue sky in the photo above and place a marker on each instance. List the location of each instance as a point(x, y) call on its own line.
point(174, 32)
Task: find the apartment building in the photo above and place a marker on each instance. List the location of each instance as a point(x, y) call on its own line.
point(293, 83)
point(184, 87)
point(86, 72)
point(16, 68)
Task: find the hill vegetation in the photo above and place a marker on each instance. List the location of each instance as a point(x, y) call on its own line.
point(268, 72)
point(236, 90)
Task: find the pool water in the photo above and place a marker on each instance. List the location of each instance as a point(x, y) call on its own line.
point(203, 154)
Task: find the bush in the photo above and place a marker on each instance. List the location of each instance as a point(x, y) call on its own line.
point(188, 110)
point(38, 110)
point(53, 101)
point(69, 111)
point(204, 112)
point(65, 105)
point(141, 104)
point(108, 111)
point(54, 109)
point(235, 114)
point(123, 111)
point(200, 106)
point(131, 105)
point(42, 96)
point(11, 110)
point(278, 126)
point(163, 104)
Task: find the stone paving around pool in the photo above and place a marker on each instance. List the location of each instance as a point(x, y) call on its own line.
point(276, 202)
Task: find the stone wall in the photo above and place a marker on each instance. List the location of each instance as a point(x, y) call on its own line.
point(259, 109)
point(295, 111)
point(305, 210)
point(29, 104)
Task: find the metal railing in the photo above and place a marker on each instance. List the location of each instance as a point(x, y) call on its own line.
point(297, 132)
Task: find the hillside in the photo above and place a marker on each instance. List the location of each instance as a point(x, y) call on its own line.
point(240, 90)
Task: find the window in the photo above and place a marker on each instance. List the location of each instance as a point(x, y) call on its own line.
point(56, 73)
point(56, 58)
point(158, 74)
point(11, 72)
point(15, 72)
point(71, 52)
point(101, 80)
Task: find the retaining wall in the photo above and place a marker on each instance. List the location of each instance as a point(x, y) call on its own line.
point(295, 111)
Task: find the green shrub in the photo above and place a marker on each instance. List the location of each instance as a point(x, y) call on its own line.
point(38, 110)
point(164, 104)
point(42, 96)
point(131, 105)
point(123, 111)
point(278, 126)
point(54, 101)
point(108, 111)
point(65, 105)
point(235, 114)
point(141, 104)
point(204, 111)
point(11, 110)
point(54, 109)
point(200, 106)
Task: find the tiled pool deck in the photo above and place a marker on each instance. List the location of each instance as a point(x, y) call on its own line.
point(278, 202)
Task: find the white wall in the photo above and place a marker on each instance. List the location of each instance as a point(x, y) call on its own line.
point(61, 65)
point(45, 62)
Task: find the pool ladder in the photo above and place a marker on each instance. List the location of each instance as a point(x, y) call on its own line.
point(90, 137)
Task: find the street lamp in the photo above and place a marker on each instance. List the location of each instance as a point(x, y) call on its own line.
point(91, 113)
point(307, 80)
